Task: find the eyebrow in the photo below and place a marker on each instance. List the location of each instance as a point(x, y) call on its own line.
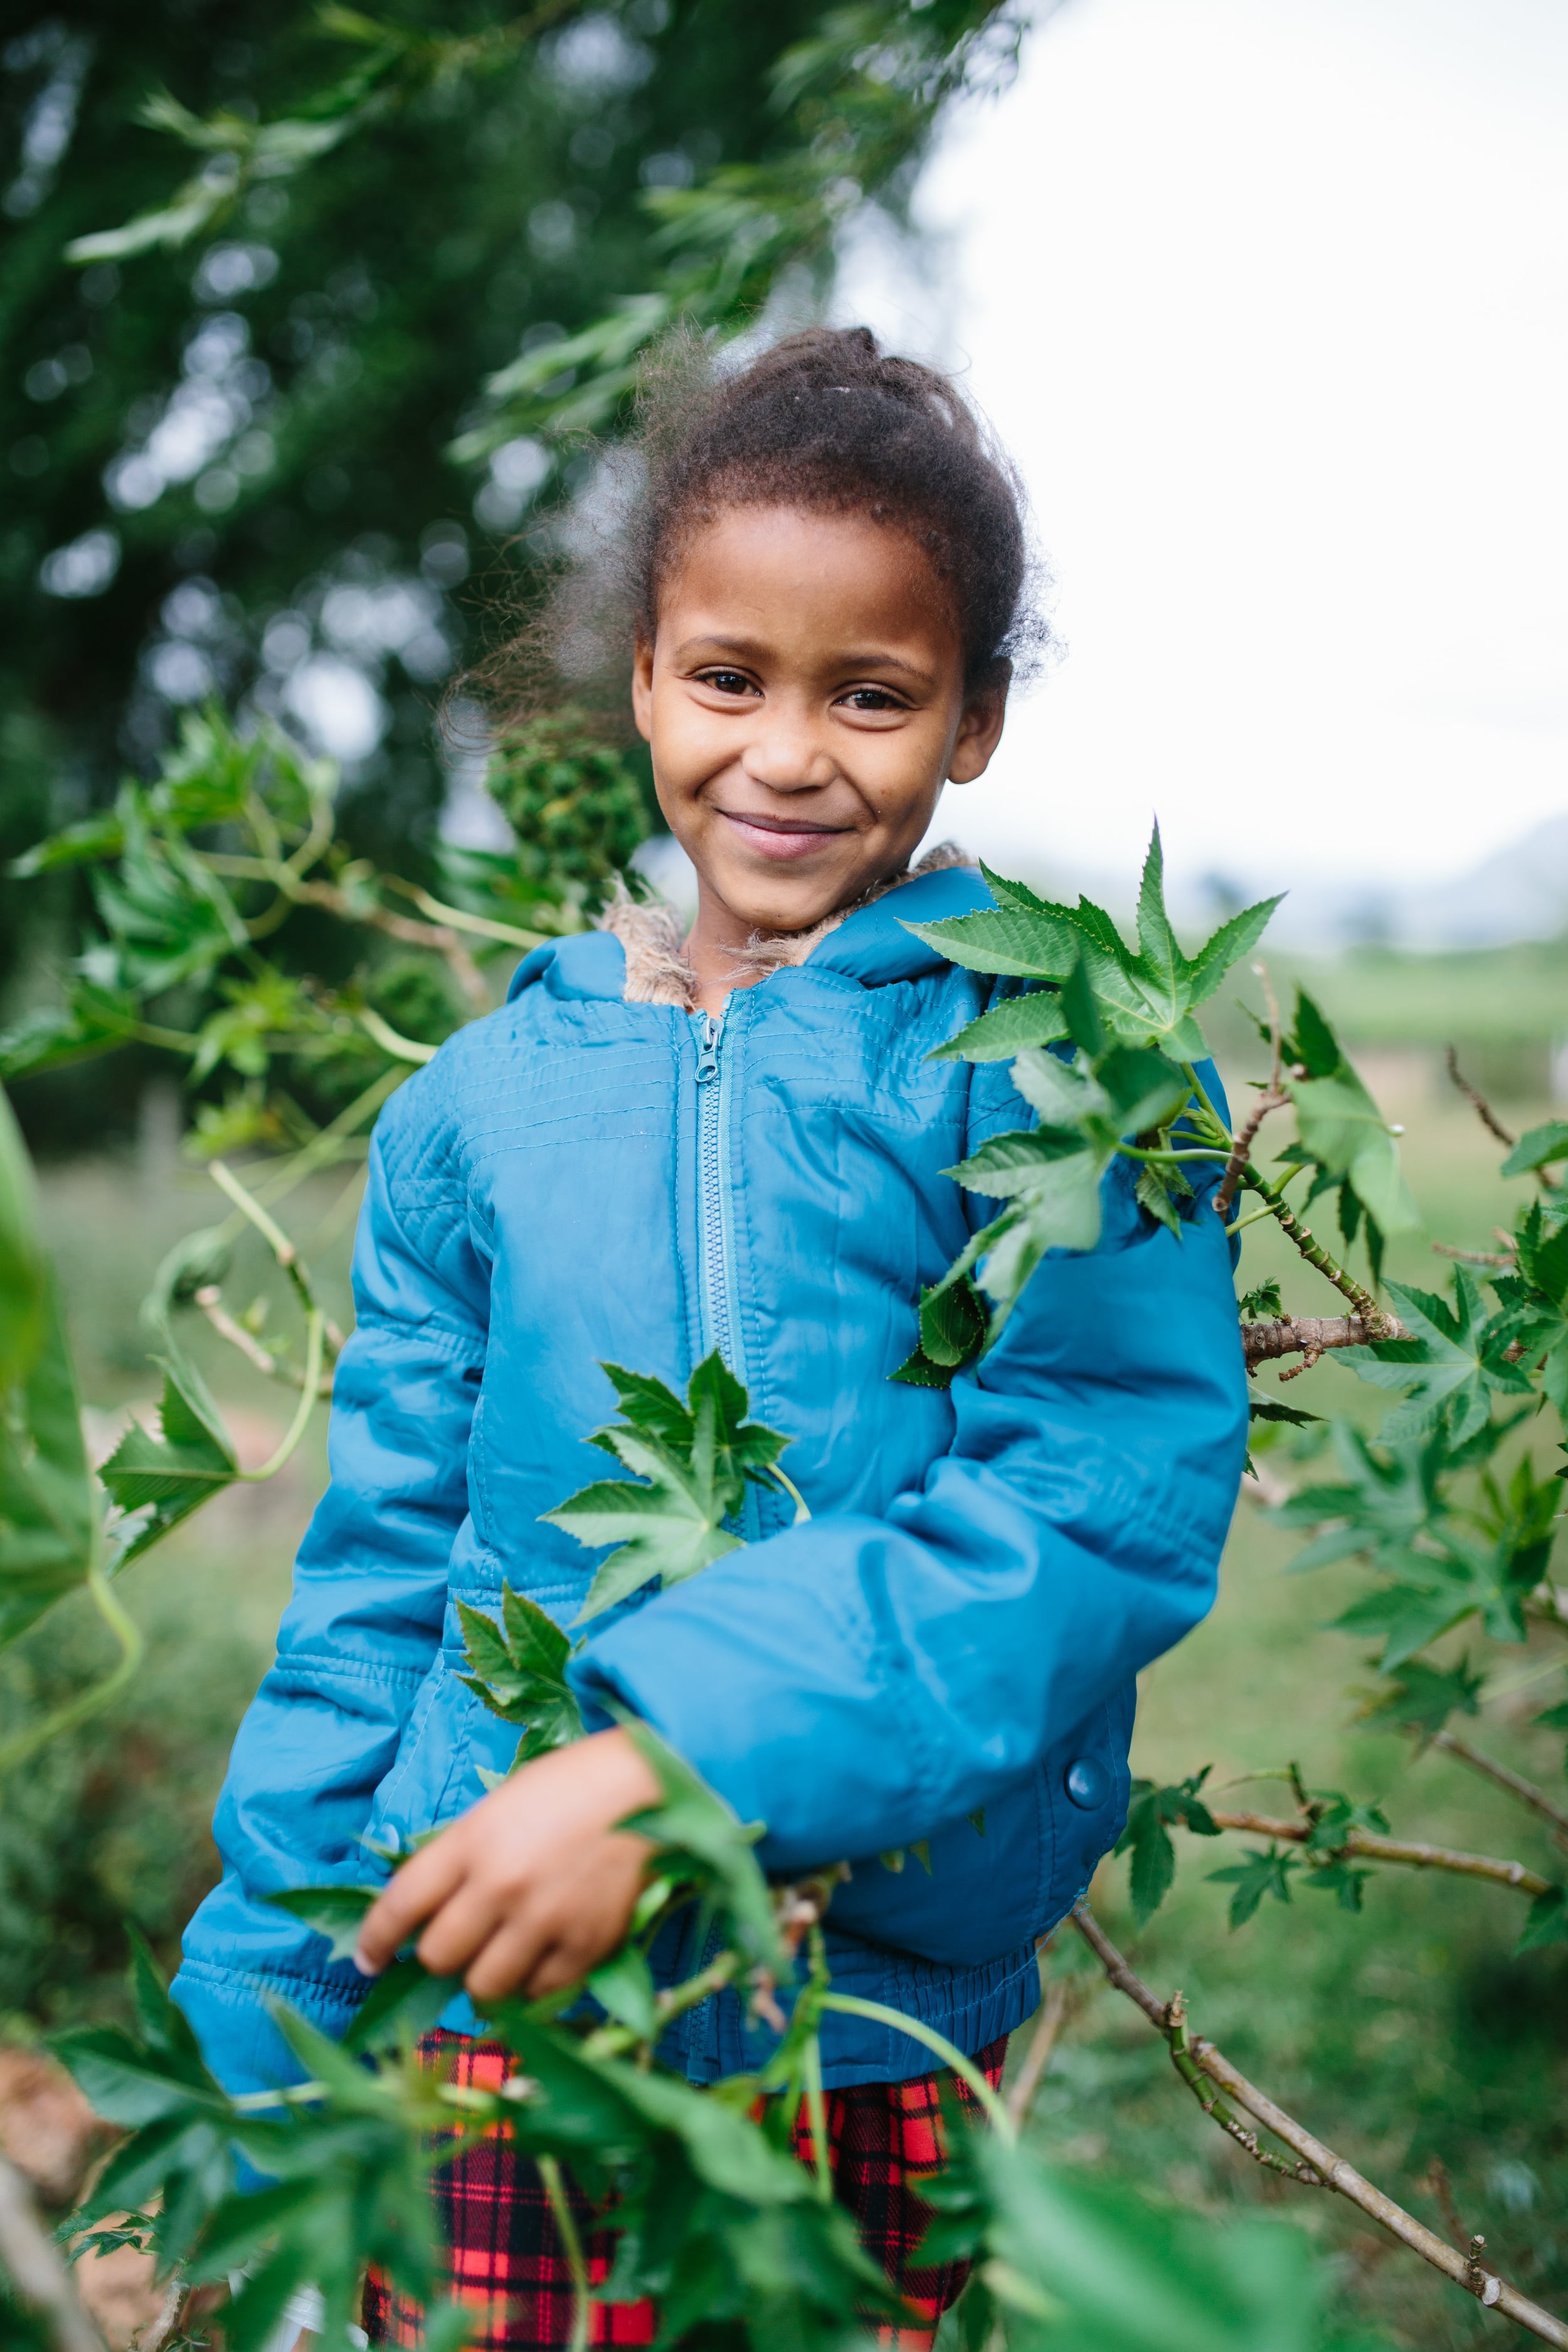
point(745, 647)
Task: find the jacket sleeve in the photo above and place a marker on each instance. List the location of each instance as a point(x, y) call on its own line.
point(855, 1681)
point(364, 1621)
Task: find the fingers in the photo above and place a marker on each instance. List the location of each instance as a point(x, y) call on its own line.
point(420, 1887)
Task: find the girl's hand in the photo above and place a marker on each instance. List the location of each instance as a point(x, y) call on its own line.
point(533, 1887)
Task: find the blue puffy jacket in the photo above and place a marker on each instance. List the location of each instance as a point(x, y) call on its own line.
point(985, 1570)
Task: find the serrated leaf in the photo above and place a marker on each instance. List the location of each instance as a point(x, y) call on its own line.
point(1257, 1875)
point(177, 1471)
point(695, 1460)
point(519, 1670)
point(1271, 1409)
point(953, 1324)
point(1036, 1019)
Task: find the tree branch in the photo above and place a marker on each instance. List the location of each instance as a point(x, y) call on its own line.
point(1413, 1854)
point(1311, 1335)
point(1483, 1110)
point(1498, 1774)
point(1316, 2164)
point(1240, 1151)
point(1312, 1250)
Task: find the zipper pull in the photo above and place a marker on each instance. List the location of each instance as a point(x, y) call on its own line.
point(708, 1057)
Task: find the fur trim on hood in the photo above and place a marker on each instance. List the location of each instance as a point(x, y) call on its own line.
point(657, 972)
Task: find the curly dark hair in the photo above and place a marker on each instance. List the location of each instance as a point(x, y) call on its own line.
point(824, 420)
point(828, 420)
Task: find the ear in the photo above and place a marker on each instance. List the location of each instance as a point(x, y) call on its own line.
point(642, 689)
point(980, 730)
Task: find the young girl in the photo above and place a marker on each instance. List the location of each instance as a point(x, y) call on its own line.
point(657, 1147)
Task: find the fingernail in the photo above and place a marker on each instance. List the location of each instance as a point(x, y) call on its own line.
point(366, 1967)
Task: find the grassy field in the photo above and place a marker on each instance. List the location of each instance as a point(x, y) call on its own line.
point(1403, 2034)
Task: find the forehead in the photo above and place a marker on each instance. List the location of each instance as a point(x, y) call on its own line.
point(800, 578)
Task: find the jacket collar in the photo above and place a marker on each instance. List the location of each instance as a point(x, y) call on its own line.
point(871, 946)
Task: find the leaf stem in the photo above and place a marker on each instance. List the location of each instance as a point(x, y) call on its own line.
point(90, 1702)
point(801, 1512)
point(315, 1345)
point(851, 2005)
point(391, 1041)
point(571, 2245)
point(816, 2110)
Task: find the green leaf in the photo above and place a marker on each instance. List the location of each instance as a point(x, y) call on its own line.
point(1454, 1363)
point(173, 1474)
point(1260, 1874)
point(1547, 1921)
point(694, 1823)
point(519, 1670)
point(1035, 1019)
point(1423, 1696)
point(1140, 999)
point(1342, 1131)
point(695, 1458)
point(953, 1323)
point(23, 1279)
point(1271, 1409)
point(1340, 1880)
point(1264, 1301)
point(336, 1912)
point(50, 1510)
point(1147, 1839)
point(404, 2001)
point(1538, 1149)
point(624, 1986)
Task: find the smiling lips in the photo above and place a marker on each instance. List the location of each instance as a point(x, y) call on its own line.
point(780, 838)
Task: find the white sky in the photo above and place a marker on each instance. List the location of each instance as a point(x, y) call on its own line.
point(1269, 299)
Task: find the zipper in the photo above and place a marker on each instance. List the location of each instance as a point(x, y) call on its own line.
point(720, 1324)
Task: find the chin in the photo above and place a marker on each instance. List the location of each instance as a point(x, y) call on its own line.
point(769, 905)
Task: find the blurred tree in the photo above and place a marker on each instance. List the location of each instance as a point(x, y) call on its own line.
point(250, 455)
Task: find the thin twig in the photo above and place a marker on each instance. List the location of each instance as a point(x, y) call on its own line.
point(1498, 1774)
point(160, 2329)
point(1479, 1103)
point(1316, 2164)
point(209, 1299)
point(1299, 1335)
point(1240, 1151)
point(1064, 1999)
point(1473, 1257)
point(37, 2269)
point(1413, 1854)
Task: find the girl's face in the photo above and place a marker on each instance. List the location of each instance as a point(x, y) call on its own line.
point(803, 700)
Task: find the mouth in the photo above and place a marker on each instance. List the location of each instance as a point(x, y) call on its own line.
point(782, 838)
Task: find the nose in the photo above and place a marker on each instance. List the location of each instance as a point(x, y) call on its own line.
point(785, 751)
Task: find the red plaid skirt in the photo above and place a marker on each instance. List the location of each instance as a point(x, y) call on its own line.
point(505, 2256)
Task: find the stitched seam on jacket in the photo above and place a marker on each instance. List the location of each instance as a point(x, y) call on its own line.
point(211, 1972)
point(354, 1669)
point(470, 1345)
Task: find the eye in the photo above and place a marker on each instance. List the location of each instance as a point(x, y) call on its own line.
point(727, 681)
point(871, 697)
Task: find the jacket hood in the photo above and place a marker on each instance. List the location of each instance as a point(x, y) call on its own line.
point(869, 945)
